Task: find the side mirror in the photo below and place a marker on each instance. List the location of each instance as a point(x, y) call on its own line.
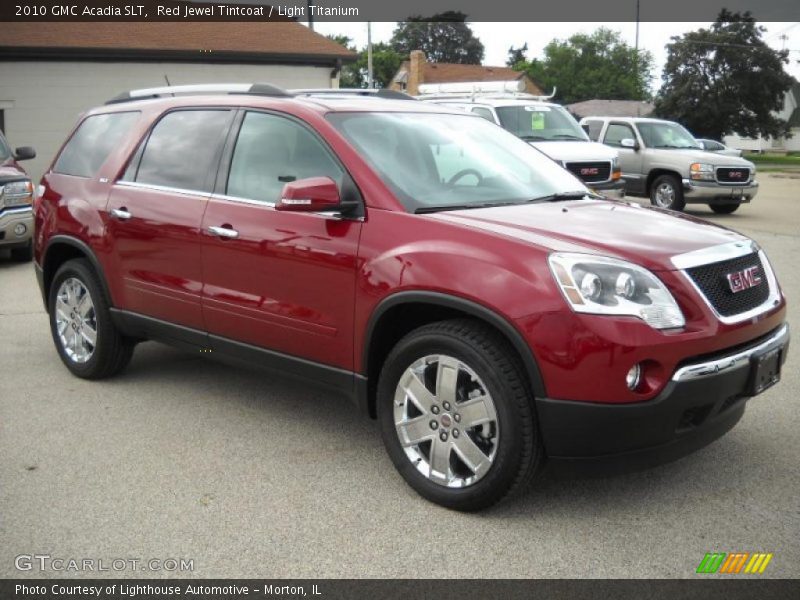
point(314, 194)
point(629, 143)
point(24, 153)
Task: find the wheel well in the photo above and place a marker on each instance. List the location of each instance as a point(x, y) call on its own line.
point(655, 173)
point(57, 255)
point(400, 319)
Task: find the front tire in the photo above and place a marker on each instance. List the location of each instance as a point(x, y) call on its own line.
point(666, 192)
point(462, 376)
point(80, 321)
point(724, 209)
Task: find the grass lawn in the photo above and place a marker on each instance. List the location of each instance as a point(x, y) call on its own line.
point(774, 159)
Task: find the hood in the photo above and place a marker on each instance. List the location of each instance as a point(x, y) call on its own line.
point(642, 235)
point(711, 158)
point(575, 150)
point(10, 171)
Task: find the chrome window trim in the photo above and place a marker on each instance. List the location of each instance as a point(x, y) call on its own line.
point(771, 302)
point(713, 254)
point(250, 201)
point(734, 361)
point(163, 188)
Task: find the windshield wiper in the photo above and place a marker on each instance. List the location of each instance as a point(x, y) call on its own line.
point(532, 138)
point(562, 196)
point(567, 136)
point(675, 147)
point(430, 209)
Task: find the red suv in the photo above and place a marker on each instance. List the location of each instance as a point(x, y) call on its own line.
point(455, 283)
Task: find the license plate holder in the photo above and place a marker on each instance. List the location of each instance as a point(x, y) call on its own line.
point(765, 371)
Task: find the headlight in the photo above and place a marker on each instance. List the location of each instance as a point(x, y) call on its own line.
point(17, 193)
point(616, 171)
point(702, 171)
point(608, 286)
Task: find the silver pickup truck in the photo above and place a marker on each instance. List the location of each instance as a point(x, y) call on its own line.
point(662, 160)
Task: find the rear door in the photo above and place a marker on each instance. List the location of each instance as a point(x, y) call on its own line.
point(155, 212)
point(273, 279)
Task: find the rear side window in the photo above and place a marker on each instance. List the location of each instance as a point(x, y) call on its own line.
point(183, 149)
point(595, 127)
point(89, 147)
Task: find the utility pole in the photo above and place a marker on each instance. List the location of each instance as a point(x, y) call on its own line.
point(369, 55)
point(636, 49)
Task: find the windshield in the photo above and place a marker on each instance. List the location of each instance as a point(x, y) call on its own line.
point(5, 151)
point(666, 135)
point(445, 161)
point(536, 123)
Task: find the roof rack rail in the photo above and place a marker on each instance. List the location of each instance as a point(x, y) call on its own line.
point(384, 93)
point(472, 90)
point(256, 89)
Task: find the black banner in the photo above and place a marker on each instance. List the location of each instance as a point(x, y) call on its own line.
point(388, 589)
point(371, 10)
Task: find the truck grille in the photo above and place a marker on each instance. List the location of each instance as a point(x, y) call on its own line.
point(590, 172)
point(733, 174)
point(713, 283)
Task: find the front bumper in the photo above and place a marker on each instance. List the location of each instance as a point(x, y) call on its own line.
point(611, 189)
point(703, 400)
point(9, 219)
point(710, 192)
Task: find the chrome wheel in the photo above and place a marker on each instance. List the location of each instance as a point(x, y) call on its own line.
point(665, 195)
point(76, 321)
point(446, 421)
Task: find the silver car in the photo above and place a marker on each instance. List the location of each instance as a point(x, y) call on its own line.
point(661, 160)
point(718, 147)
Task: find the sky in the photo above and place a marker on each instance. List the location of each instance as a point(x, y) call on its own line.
point(498, 37)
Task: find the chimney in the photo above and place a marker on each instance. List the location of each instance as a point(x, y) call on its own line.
point(416, 66)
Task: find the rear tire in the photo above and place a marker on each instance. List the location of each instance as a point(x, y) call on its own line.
point(80, 321)
point(724, 209)
point(666, 192)
point(455, 373)
point(23, 254)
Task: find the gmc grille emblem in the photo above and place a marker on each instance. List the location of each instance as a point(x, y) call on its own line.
point(590, 171)
point(743, 280)
point(735, 174)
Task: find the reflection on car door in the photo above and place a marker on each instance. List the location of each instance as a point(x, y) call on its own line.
point(280, 280)
point(155, 212)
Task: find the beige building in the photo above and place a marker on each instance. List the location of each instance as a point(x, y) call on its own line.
point(418, 70)
point(51, 72)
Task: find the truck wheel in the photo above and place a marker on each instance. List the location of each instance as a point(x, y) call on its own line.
point(457, 416)
point(84, 334)
point(724, 209)
point(23, 254)
point(666, 192)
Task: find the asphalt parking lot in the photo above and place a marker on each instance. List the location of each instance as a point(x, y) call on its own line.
point(251, 476)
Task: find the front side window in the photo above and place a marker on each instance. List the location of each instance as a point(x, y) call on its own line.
point(536, 123)
point(91, 144)
point(666, 135)
point(438, 161)
point(617, 132)
point(272, 151)
point(182, 150)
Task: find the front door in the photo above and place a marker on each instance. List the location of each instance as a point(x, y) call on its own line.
point(630, 159)
point(279, 280)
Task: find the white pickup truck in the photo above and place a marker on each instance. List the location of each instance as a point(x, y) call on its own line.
point(545, 125)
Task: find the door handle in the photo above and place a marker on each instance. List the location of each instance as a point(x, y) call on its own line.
point(121, 213)
point(224, 232)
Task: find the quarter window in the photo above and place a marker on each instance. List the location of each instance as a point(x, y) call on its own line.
point(617, 132)
point(484, 112)
point(95, 138)
point(595, 127)
point(182, 150)
point(272, 151)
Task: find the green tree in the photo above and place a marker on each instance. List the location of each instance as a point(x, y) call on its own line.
point(725, 79)
point(444, 37)
point(596, 65)
point(385, 63)
point(517, 55)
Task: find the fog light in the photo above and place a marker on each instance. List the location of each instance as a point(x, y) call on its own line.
point(633, 377)
point(20, 229)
